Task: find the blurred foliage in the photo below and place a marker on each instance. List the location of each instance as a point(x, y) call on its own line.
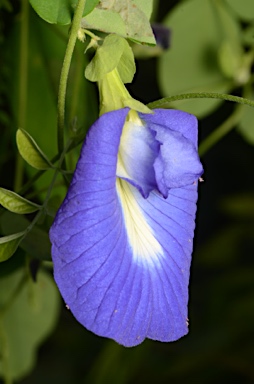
point(212, 45)
point(29, 312)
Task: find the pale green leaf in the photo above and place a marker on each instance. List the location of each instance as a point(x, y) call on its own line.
point(115, 52)
point(146, 6)
point(105, 21)
point(30, 151)
point(138, 27)
point(26, 323)
point(106, 58)
point(9, 244)
point(123, 17)
point(126, 66)
point(191, 64)
point(16, 203)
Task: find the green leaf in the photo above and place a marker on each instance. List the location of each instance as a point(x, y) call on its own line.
point(229, 59)
point(126, 66)
point(36, 243)
point(60, 11)
point(106, 58)
point(191, 64)
point(244, 9)
point(53, 11)
point(138, 27)
point(15, 203)
point(246, 126)
point(123, 17)
point(145, 6)
point(30, 151)
point(105, 21)
point(115, 52)
point(89, 6)
point(9, 244)
point(26, 323)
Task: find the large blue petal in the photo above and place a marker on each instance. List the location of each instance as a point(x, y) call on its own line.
point(121, 261)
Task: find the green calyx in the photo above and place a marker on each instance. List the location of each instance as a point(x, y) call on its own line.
point(114, 95)
point(112, 66)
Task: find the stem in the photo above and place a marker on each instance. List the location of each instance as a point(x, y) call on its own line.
point(228, 124)
point(91, 34)
point(203, 95)
point(23, 74)
point(28, 185)
point(76, 85)
point(4, 358)
point(44, 206)
point(65, 72)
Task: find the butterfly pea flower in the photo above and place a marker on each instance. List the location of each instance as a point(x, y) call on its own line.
point(122, 239)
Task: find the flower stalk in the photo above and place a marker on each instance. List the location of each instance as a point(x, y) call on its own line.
point(164, 103)
point(23, 74)
point(65, 72)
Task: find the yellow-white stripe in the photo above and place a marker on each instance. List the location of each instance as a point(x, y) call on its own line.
point(141, 238)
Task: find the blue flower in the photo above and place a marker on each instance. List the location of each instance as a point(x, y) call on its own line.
point(122, 239)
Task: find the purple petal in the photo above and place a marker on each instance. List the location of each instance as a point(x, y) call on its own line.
point(121, 261)
point(177, 164)
point(178, 121)
point(138, 151)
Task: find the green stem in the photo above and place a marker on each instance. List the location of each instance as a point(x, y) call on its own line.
point(29, 184)
point(3, 340)
point(221, 131)
point(65, 72)
point(23, 74)
point(164, 103)
point(91, 34)
point(76, 85)
point(44, 206)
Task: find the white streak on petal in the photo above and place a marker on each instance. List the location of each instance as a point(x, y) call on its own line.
point(132, 133)
point(145, 247)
